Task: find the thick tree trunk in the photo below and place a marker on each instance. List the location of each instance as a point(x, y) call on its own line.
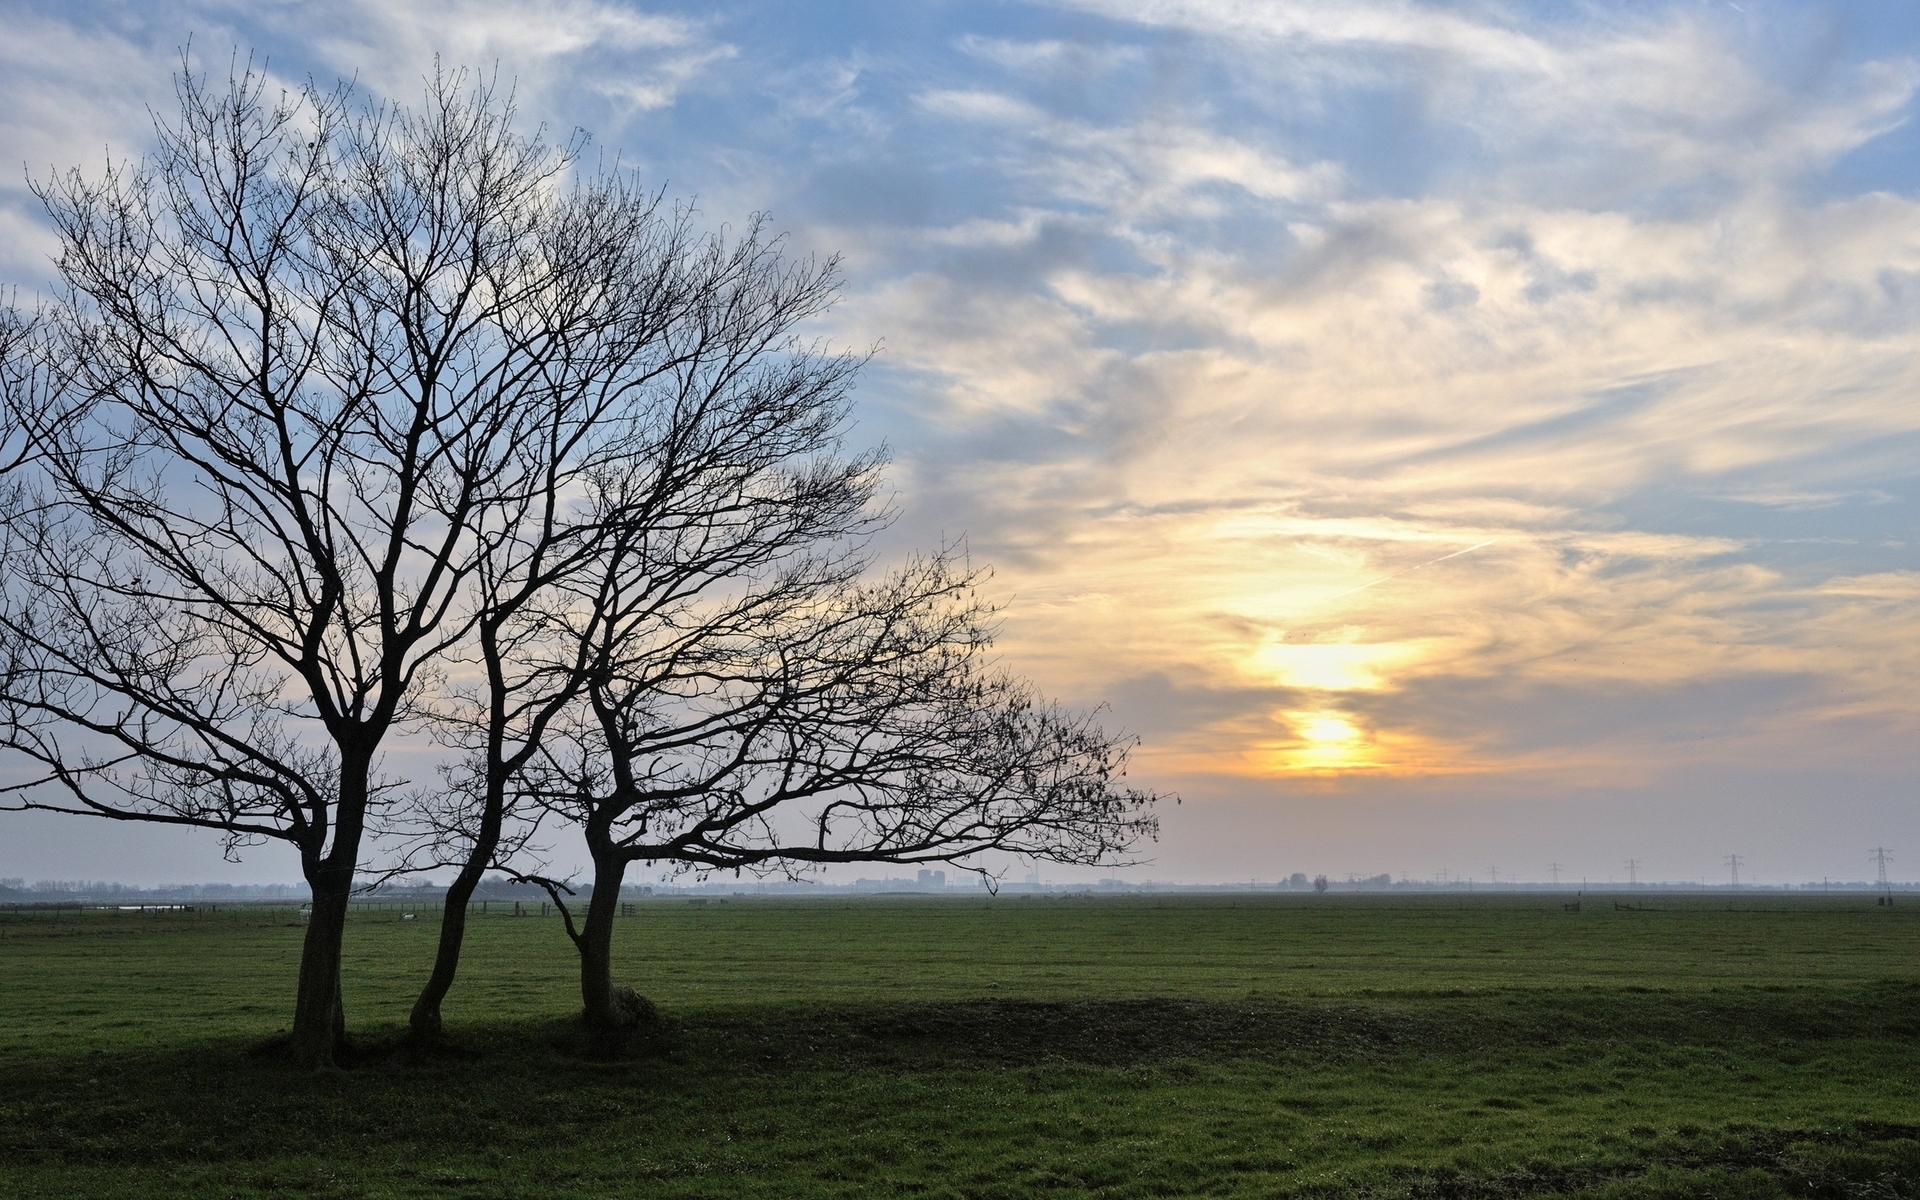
point(604, 1011)
point(319, 1018)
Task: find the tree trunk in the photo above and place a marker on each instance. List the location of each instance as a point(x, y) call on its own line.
point(319, 1017)
point(603, 1011)
point(425, 1019)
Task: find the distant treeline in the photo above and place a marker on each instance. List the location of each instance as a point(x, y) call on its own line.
point(19, 890)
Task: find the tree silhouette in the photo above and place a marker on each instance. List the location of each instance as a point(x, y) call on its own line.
point(301, 376)
point(355, 422)
point(808, 718)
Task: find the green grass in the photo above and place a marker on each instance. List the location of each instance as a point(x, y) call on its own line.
point(1135, 1046)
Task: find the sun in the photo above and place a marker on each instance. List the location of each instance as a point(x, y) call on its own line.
point(1328, 729)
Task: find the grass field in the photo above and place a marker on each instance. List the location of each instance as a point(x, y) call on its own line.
point(1121, 1046)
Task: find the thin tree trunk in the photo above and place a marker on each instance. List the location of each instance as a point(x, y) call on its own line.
point(596, 947)
point(425, 1019)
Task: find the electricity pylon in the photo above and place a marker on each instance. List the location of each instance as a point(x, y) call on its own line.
point(1633, 871)
point(1733, 864)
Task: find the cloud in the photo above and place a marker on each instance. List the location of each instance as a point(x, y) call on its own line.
point(74, 95)
point(1358, 395)
point(1152, 169)
point(542, 46)
point(81, 86)
point(1594, 106)
point(1227, 419)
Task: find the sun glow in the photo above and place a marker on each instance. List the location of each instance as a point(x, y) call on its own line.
point(1332, 666)
point(1326, 742)
point(1327, 729)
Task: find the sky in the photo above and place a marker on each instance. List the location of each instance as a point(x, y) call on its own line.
point(1455, 438)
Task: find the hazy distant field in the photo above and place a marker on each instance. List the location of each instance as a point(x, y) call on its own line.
point(1137, 1046)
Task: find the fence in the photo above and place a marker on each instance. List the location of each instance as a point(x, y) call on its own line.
point(398, 909)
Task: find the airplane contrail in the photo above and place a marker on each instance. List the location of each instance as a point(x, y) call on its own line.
point(1410, 570)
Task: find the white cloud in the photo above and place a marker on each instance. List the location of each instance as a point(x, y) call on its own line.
point(982, 106)
point(80, 88)
point(389, 43)
point(1156, 168)
point(73, 97)
point(634, 61)
point(1595, 104)
point(1260, 450)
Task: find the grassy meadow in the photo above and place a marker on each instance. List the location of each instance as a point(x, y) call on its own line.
point(1124, 1046)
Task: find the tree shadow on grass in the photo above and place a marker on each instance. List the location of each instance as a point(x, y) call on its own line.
point(1004, 1033)
point(989, 1034)
point(521, 1088)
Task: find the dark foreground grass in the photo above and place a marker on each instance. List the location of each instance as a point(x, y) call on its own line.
point(1118, 1047)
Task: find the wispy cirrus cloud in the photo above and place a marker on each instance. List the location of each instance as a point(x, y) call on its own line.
point(636, 59)
point(81, 84)
point(1626, 99)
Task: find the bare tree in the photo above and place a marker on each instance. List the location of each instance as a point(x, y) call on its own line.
point(24, 379)
point(307, 383)
point(804, 718)
point(353, 421)
point(720, 456)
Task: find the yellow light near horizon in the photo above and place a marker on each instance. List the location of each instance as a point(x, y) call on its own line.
point(1327, 742)
point(1332, 666)
point(1323, 729)
point(1322, 743)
